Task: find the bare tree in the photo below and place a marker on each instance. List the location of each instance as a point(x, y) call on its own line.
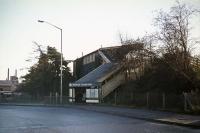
point(139, 53)
point(174, 28)
point(38, 49)
point(174, 33)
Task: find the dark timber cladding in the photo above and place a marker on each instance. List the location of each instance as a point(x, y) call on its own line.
point(98, 74)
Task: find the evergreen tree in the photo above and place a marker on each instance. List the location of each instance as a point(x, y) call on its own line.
point(44, 76)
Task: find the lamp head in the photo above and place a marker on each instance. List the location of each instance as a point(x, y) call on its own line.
point(40, 21)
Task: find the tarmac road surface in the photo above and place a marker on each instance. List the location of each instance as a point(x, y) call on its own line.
point(32, 119)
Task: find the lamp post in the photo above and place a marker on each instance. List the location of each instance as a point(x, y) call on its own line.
point(61, 56)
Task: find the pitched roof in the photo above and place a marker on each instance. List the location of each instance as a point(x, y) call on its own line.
point(117, 53)
point(112, 57)
point(105, 50)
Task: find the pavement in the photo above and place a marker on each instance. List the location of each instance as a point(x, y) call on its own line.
point(191, 121)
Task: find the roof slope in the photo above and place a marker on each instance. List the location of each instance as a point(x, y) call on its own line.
point(94, 76)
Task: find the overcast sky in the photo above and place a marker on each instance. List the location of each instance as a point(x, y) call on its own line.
point(86, 24)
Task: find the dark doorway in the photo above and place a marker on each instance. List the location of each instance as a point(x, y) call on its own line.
point(80, 95)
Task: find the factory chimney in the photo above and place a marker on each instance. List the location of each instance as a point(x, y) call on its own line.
point(8, 75)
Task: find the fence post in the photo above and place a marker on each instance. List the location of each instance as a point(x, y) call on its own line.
point(131, 97)
point(163, 100)
point(115, 97)
point(147, 97)
point(56, 97)
point(50, 96)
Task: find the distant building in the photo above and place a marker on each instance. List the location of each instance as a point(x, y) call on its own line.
point(9, 85)
point(98, 74)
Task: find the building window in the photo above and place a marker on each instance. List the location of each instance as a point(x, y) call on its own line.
point(87, 93)
point(96, 94)
point(92, 93)
point(88, 59)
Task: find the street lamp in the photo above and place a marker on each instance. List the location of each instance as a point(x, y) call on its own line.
point(61, 56)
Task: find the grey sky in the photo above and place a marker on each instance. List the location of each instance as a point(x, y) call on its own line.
point(86, 24)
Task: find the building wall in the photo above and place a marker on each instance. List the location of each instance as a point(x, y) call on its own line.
point(112, 83)
point(91, 95)
point(9, 85)
point(6, 88)
point(86, 64)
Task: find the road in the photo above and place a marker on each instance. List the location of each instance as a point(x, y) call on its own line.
point(32, 119)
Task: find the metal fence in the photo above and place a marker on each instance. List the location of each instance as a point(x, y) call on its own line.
point(155, 100)
point(186, 102)
point(27, 99)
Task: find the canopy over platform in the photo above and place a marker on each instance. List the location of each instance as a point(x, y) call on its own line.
point(96, 76)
